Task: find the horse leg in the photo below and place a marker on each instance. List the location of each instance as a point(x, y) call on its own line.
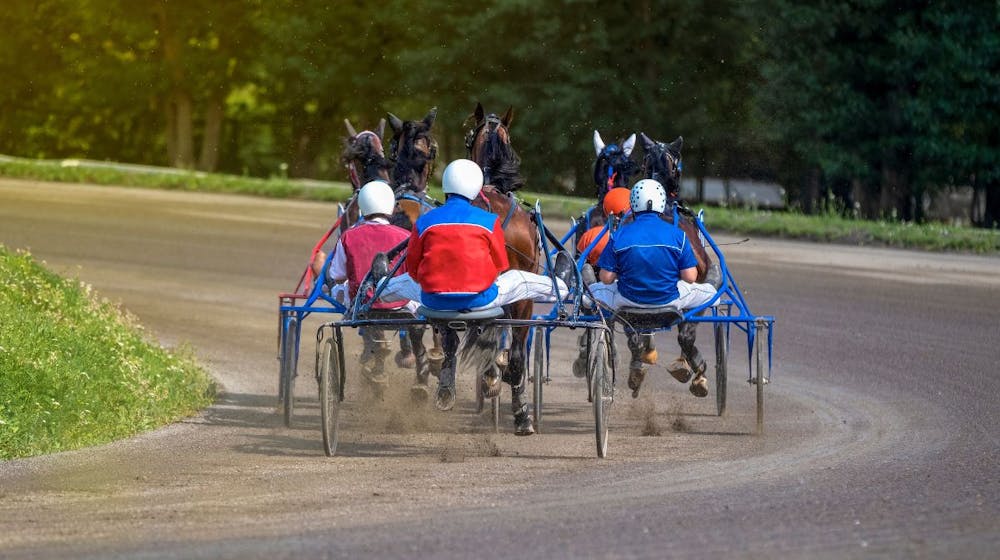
point(405, 357)
point(415, 335)
point(640, 346)
point(523, 423)
point(686, 333)
point(446, 378)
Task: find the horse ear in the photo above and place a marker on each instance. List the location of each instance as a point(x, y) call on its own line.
point(380, 130)
point(676, 145)
point(628, 144)
point(431, 115)
point(647, 142)
point(598, 143)
point(350, 129)
point(480, 114)
point(395, 123)
point(507, 117)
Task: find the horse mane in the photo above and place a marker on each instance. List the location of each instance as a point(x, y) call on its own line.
point(410, 160)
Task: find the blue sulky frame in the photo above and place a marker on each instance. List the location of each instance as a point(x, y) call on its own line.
point(726, 309)
point(293, 308)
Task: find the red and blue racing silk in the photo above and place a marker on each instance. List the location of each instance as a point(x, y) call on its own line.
point(648, 255)
point(361, 243)
point(456, 252)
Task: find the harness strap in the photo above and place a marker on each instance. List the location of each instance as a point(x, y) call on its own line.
point(510, 212)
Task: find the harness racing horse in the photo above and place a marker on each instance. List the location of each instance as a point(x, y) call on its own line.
point(613, 168)
point(365, 161)
point(662, 162)
point(412, 151)
point(488, 144)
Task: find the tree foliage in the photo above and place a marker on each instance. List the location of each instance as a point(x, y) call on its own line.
point(876, 101)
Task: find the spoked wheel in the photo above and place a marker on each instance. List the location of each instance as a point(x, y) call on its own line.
point(331, 392)
point(538, 349)
point(602, 388)
point(760, 381)
point(289, 353)
point(721, 354)
point(495, 409)
point(591, 341)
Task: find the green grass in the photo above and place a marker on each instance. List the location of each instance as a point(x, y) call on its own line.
point(826, 228)
point(76, 370)
point(836, 229)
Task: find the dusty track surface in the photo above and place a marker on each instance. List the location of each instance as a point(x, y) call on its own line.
point(881, 430)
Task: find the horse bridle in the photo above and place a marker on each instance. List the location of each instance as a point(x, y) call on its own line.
point(492, 124)
point(376, 144)
point(672, 175)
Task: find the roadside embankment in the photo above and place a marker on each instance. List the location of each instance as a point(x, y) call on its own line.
point(76, 370)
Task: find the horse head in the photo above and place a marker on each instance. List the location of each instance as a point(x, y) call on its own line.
point(488, 144)
point(412, 150)
point(614, 166)
point(662, 162)
point(363, 155)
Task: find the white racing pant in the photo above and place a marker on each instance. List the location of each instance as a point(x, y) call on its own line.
point(691, 295)
point(513, 285)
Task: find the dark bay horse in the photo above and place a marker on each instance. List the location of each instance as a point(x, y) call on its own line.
point(364, 158)
point(662, 162)
point(488, 144)
point(412, 151)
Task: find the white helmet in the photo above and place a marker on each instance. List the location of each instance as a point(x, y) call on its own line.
point(376, 197)
point(648, 194)
point(462, 177)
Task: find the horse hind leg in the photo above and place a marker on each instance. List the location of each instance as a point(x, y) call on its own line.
point(686, 333)
point(445, 399)
point(523, 423)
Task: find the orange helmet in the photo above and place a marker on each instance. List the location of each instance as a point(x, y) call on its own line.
point(617, 201)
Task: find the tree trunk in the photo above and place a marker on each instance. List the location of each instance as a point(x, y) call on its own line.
point(180, 143)
point(181, 104)
point(810, 192)
point(700, 189)
point(991, 210)
point(212, 135)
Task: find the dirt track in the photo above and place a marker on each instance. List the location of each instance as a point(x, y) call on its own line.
point(881, 437)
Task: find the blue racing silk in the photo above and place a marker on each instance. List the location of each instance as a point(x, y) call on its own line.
point(648, 255)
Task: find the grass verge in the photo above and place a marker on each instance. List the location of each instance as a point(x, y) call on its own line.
point(825, 228)
point(75, 370)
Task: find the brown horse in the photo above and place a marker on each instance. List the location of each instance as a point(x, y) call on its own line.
point(489, 145)
point(662, 162)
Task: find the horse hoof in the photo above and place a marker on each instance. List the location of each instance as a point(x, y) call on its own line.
point(490, 386)
point(406, 360)
point(503, 359)
point(445, 399)
point(680, 370)
point(419, 393)
point(699, 387)
point(523, 424)
point(580, 366)
point(650, 356)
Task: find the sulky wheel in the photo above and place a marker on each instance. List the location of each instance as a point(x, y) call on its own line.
point(330, 393)
point(602, 388)
point(721, 354)
point(289, 353)
point(538, 350)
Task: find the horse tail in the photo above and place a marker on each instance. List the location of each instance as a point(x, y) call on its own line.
point(480, 347)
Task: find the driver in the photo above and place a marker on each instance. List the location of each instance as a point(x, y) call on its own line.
point(649, 263)
point(456, 260)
